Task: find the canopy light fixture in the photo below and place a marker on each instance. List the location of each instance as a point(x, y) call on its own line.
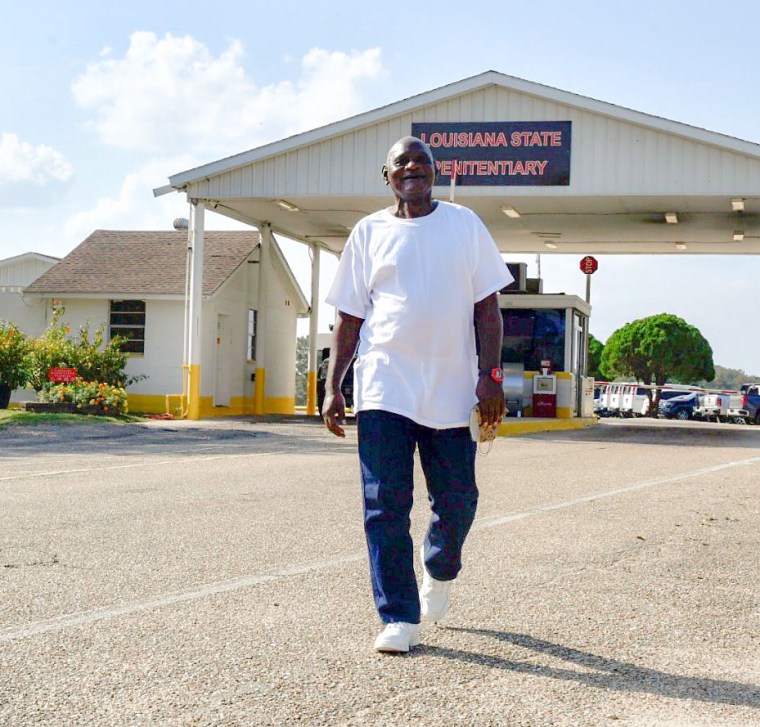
point(681, 245)
point(737, 204)
point(550, 245)
point(510, 212)
point(671, 218)
point(287, 205)
point(738, 236)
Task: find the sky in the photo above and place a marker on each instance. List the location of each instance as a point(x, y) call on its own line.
point(102, 102)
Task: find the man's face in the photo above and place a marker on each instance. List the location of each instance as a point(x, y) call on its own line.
point(410, 170)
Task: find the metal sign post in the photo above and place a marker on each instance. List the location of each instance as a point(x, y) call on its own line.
point(589, 265)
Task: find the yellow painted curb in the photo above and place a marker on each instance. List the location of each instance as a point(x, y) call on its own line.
point(514, 426)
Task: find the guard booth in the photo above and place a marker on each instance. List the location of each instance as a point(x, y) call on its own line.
point(545, 336)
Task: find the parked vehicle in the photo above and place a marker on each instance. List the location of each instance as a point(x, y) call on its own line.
point(634, 401)
point(598, 398)
point(347, 387)
point(680, 407)
point(602, 401)
point(713, 407)
point(615, 399)
point(744, 407)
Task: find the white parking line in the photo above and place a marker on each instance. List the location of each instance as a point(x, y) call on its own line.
point(495, 520)
point(83, 618)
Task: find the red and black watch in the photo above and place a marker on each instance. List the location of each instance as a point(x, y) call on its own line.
point(497, 374)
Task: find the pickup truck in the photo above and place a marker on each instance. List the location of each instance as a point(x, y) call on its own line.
point(744, 407)
point(713, 406)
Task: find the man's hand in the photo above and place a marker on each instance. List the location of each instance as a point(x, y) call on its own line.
point(490, 395)
point(334, 413)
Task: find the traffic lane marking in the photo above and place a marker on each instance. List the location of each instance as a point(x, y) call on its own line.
point(153, 463)
point(83, 618)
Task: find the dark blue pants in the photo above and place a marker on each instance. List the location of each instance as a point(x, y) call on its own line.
point(386, 453)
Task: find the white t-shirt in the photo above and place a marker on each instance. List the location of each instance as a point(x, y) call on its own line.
point(415, 283)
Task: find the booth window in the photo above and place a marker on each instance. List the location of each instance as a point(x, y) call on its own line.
point(127, 320)
point(252, 320)
point(533, 335)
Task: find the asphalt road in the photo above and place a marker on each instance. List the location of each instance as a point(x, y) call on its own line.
point(176, 575)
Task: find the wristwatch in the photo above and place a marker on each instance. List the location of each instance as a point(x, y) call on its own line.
point(497, 374)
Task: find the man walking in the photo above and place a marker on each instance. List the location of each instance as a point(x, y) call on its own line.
point(416, 285)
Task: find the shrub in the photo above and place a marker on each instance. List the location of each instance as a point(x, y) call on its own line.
point(14, 355)
point(93, 360)
point(102, 398)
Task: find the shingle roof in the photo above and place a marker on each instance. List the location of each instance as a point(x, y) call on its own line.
point(118, 262)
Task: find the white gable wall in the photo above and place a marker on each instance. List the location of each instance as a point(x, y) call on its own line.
point(235, 298)
point(610, 156)
point(15, 274)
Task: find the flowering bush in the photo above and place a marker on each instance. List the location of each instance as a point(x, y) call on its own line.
point(104, 398)
point(14, 355)
point(93, 360)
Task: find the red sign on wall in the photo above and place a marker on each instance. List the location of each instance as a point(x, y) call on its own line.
point(59, 375)
point(589, 265)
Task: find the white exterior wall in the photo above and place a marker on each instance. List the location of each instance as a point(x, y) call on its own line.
point(26, 312)
point(162, 361)
point(610, 155)
point(234, 299)
point(281, 346)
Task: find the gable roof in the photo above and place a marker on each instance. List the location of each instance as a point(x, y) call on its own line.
point(29, 256)
point(129, 262)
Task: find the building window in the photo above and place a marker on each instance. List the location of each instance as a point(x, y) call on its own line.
point(127, 319)
point(533, 335)
point(252, 320)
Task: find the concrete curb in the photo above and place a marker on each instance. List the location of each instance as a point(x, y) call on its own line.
point(530, 425)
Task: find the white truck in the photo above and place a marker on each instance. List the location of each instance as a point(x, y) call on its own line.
point(713, 407)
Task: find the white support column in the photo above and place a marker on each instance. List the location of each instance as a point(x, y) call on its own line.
point(311, 377)
point(195, 313)
point(262, 321)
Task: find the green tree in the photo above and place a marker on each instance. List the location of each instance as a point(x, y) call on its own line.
point(659, 349)
point(302, 367)
point(595, 349)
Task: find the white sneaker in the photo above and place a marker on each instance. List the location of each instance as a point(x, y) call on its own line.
point(398, 638)
point(435, 596)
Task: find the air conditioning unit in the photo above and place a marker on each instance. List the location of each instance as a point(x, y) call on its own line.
point(520, 274)
point(534, 286)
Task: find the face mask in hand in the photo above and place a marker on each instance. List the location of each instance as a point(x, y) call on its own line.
point(480, 432)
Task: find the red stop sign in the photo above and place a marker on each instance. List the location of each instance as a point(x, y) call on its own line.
point(589, 265)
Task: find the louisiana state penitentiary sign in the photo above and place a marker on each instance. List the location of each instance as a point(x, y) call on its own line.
point(499, 153)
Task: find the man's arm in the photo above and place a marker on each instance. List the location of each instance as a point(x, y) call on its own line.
point(344, 342)
point(490, 331)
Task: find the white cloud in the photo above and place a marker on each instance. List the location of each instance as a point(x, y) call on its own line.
point(135, 208)
point(29, 174)
point(172, 94)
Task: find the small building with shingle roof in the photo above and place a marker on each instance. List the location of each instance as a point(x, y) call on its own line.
point(134, 283)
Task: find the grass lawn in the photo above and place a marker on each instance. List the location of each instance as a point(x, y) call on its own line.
point(12, 417)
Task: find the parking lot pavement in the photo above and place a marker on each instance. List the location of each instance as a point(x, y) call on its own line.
point(215, 574)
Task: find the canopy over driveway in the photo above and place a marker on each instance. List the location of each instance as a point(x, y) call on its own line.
point(631, 183)
point(627, 170)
